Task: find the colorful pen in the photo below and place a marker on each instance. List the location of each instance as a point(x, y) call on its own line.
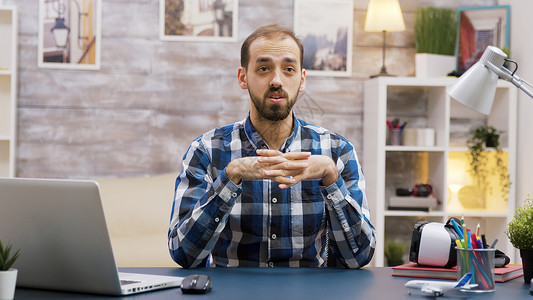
point(457, 229)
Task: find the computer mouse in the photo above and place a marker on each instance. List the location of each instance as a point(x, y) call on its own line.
point(531, 287)
point(196, 284)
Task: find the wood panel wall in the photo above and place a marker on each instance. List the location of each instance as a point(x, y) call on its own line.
point(138, 114)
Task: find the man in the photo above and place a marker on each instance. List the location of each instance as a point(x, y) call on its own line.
point(264, 191)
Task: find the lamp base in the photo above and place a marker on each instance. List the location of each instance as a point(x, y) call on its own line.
point(382, 73)
point(383, 69)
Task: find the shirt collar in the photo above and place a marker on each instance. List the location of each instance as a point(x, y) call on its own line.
point(258, 142)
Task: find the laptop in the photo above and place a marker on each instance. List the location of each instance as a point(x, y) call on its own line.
point(60, 228)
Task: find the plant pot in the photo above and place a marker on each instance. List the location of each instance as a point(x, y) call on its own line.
point(394, 263)
point(527, 263)
point(433, 65)
point(8, 281)
point(492, 141)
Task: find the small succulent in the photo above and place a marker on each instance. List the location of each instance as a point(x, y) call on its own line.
point(6, 261)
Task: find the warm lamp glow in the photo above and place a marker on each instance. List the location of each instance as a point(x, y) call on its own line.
point(384, 15)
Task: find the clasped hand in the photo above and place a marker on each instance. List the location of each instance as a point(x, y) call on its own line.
point(285, 168)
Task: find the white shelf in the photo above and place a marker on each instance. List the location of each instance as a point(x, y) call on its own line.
point(8, 89)
point(425, 102)
point(413, 213)
point(415, 148)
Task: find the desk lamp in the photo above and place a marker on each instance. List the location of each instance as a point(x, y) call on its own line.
point(477, 86)
point(383, 16)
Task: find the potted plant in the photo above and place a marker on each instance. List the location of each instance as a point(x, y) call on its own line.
point(482, 138)
point(394, 252)
point(8, 275)
point(520, 233)
point(435, 37)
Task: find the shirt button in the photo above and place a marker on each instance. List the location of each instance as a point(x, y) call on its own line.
point(274, 236)
point(274, 200)
point(329, 196)
point(234, 195)
point(217, 220)
point(270, 264)
point(264, 146)
point(345, 225)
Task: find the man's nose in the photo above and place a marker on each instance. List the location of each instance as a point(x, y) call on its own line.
point(276, 80)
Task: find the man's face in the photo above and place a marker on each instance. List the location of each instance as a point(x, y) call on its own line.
point(273, 78)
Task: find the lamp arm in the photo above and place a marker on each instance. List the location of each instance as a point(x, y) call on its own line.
point(505, 74)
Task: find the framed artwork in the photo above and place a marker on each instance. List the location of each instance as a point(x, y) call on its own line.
point(480, 27)
point(326, 29)
point(198, 20)
point(70, 34)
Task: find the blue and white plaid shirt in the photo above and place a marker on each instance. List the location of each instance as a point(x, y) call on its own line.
point(256, 224)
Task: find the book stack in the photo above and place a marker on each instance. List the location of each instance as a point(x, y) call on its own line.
point(504, 274)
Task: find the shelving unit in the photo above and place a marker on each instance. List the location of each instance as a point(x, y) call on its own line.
point(8, 89)
point(426, 104)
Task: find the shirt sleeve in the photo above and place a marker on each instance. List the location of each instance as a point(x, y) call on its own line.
point(200, 210)
point(351, 234)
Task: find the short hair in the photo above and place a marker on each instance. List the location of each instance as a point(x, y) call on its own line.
point(269, 32)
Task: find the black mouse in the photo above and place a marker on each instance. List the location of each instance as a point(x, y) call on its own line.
point(196, 284)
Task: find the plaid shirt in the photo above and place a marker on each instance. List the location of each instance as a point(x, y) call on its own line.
point(256, 224)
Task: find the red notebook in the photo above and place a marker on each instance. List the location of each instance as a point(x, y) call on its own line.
point(414, 270)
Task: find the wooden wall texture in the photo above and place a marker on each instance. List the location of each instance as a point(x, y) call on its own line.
point(138, 114)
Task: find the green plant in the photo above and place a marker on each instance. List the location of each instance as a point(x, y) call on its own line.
point(520, 229)
point(483, 137)
point(435, 30)
point(6, 261)
point(394, 251)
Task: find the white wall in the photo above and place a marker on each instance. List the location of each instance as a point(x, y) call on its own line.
point(521, 45)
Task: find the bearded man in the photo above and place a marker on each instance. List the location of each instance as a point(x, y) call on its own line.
point(271, 190)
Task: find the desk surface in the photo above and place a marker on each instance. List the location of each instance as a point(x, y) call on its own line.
point(291, 283)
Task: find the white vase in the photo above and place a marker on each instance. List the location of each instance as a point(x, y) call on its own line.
point(8, 281)
point(433, 65)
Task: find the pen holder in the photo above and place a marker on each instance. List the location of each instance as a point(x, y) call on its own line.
point(479, 262)
point(395, 137)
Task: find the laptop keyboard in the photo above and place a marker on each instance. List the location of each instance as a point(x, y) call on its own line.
point(126, 282)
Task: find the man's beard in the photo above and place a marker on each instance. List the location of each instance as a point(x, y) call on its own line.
point(273, 111)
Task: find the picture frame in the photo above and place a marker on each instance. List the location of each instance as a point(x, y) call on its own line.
point(479, 27)
point(325, 27)
point(70, 34)
point(198, 20)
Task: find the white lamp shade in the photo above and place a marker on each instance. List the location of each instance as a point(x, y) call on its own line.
point(384, 15)
point(476, 88)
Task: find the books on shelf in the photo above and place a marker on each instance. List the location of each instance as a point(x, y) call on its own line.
point(504, 274)
point(412, 203)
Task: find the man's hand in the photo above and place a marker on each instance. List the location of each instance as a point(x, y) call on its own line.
point(258, 167)
point(285, 168)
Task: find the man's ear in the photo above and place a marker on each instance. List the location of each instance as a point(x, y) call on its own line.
point(241, 76)
point(302, 81)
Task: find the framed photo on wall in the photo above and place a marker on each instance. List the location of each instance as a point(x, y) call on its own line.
point(326, 29)
point(70, 34)
point(480, 27)
point(198, 20)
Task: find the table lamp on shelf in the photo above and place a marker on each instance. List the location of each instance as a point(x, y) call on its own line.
point(383, 16)
point(457, 179)
point(477, 86)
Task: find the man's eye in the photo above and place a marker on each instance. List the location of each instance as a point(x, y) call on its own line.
point(290, 69)
point(262, 69)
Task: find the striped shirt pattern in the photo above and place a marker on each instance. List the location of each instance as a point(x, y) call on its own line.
point(256, 224)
